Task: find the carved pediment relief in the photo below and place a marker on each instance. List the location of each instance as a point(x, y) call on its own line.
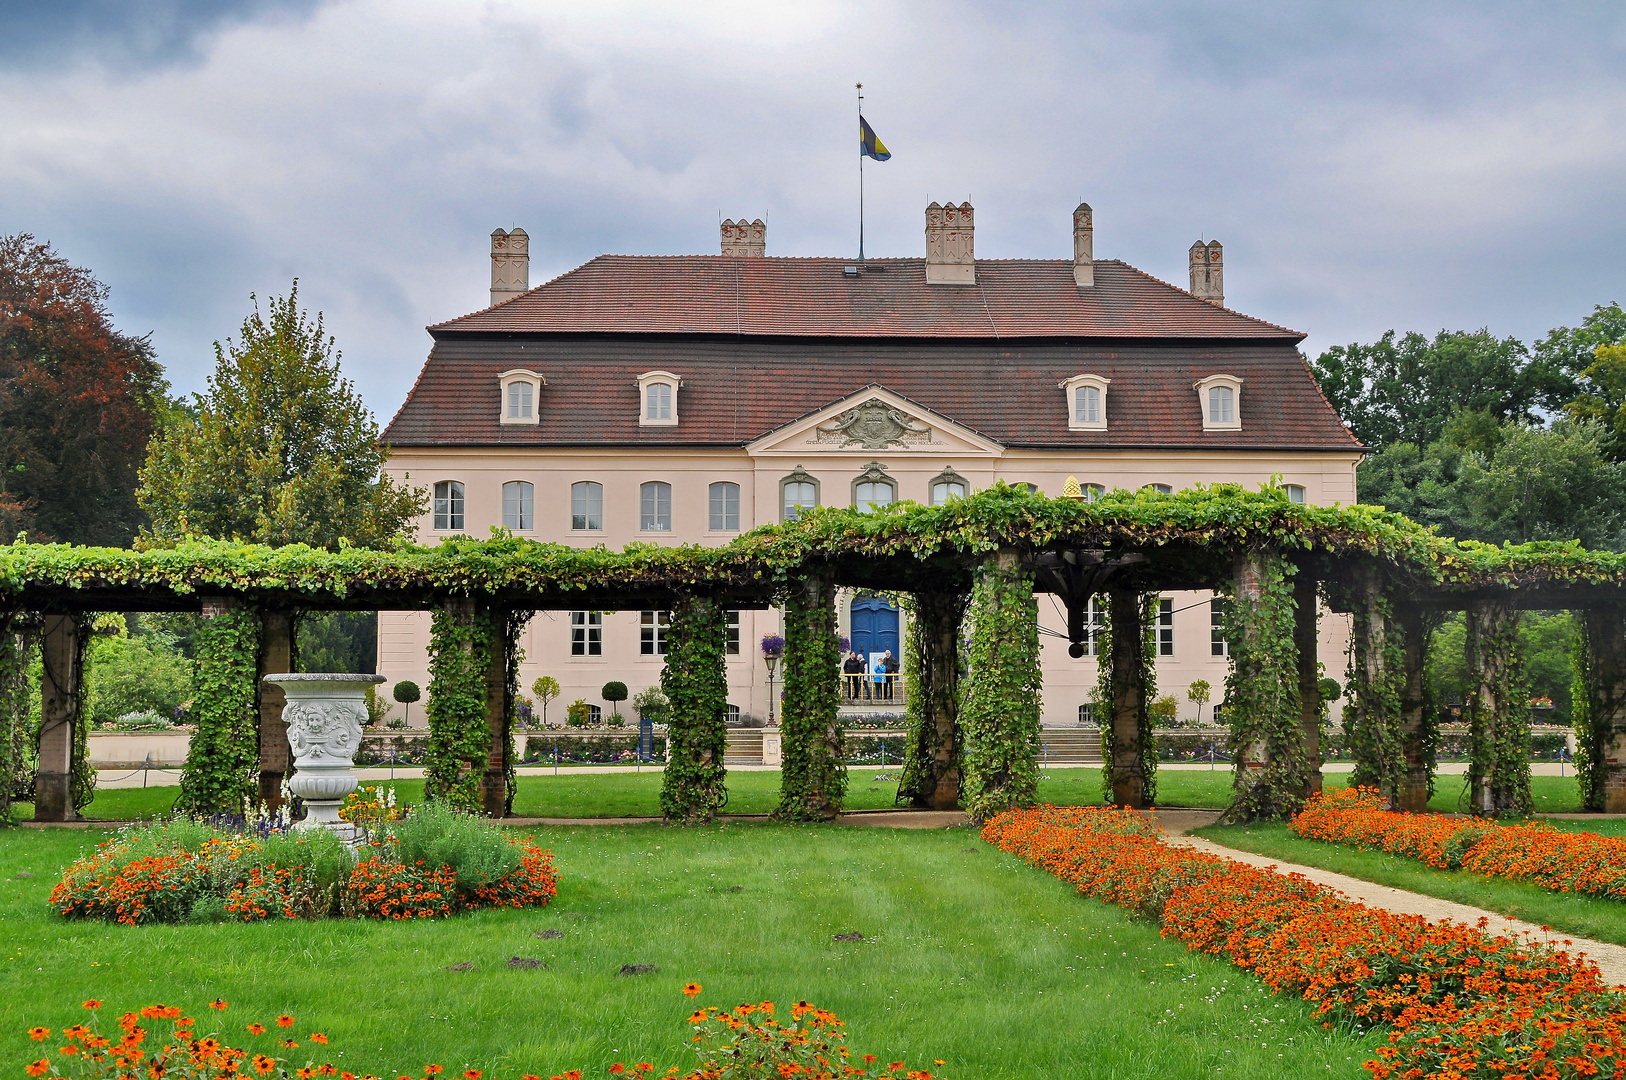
point(874, 425)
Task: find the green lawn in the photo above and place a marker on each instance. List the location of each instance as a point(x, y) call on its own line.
point(638, 794)
point(1585, 916)
point(999, 969)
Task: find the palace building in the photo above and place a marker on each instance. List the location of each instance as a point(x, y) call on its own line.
point(685, 399)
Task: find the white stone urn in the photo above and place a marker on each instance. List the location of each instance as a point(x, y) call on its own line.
point(324, 715)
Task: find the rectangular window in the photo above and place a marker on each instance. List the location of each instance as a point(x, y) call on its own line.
point(725, 507)
point(658, 401)
point(946, 490)
point(586, 505)
point(1087, 400)
point(518, 499)
point(733, 646)
point(800, 497)
point(1216, 621)
point(731, 716)
point(587, 633)
point(449, 506)
point(1165, 627)
point(656, 506)
point(1095, 620)
point(519, 401)
point(652, 627)
point(1093, 492)
point(1295, 494)
point(1219, 405)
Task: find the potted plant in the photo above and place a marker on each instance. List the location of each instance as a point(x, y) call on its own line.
point(615, 693)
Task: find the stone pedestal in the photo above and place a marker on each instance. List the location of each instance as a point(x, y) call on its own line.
point(773, 752)
point(324, 715)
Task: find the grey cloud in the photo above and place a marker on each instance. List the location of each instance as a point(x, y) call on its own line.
point(125, 34)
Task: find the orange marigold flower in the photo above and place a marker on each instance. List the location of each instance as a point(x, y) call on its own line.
point(318, 1037)
point(305, 1073)
point(644, 1067)
point(290, 1044)
point(263, 1064)
point(217, 1005)
point(691, 990)
point(433, 1070)
point(285, 1020)
point(471, 1074)
point(93, 1004)
point(38, 1068)
point(38, 1034)
point(256, 1029)
point(617, 1069)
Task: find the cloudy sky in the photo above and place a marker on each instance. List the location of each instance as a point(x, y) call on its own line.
point(1366, 165)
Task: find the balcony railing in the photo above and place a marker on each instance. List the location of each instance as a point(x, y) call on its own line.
point(873, 690)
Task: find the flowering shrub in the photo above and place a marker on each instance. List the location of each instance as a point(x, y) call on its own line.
point(184, 871)
point(370, 808)
point(1461, 1003)
point(1526, 851)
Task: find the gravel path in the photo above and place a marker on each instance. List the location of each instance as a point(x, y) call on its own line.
point(1611, 959)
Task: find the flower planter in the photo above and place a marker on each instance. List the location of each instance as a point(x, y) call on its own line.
point(324, 715)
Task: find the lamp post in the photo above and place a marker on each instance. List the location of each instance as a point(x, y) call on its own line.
point(773, 664)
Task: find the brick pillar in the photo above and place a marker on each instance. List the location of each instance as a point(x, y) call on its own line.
point(276, 658)
point(1606, 643)
point(1252, 757)
point(61, 682)
point(1306, 638)
point(1128, 680)
point(494, 785)
point(1412, 790)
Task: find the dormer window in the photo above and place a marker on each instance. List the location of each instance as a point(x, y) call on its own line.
point(658, 393)
point(521, 396)
point(1220, 397)
point(1086, 402)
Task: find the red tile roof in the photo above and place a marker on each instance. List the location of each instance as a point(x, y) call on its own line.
point(773, 297)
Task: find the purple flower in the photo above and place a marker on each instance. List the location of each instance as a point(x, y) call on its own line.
point(773, 645)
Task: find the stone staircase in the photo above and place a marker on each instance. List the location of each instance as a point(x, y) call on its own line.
point(744, 747)
point(1069, 746)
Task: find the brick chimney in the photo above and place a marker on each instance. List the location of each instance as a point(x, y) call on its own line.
point(949, 258)
point(745, 239)
point(1207, 273)
point(1084, 246)
point(510, 264)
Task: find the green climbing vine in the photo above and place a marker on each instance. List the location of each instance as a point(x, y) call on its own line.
point(695, 682)
point(222, 760)
point(1498, 713)
point(931, 663)
point(513, 625)
point(1111, 685)
point(19, 645)
point(464, 638)
point(999, 716)
point(1262, 692)
point(813, 780)
point(1589, 772)
point(1376, 679)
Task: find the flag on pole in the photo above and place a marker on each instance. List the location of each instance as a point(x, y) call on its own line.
point(868, 144)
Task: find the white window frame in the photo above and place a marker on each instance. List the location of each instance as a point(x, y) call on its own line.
point(1095, 623)
point(713, 514)
point(653, 627)
point(1165, 626)
point(449, 519)
point(658, 378)
point(523, 519)
point(1296, 494)
point(1161, 489)
point(660, 525)
point(1214, 382)
point(1217, 644)
point(529, 378)
point(587, 487)
point(587, 633)
point(731, 643)
point(1093, 492)
point(1075, 421)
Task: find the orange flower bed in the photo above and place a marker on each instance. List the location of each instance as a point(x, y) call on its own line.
point(1526, 851)
point(1461, 1002)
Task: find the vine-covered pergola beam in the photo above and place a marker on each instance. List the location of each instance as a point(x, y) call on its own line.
point(695, 681)
point(999, 713)
point(276, 658)
point(813, 780)
point(1074, 576)
point(1605, 687)
point(1128, 696)
point(931, 769)
point(62, 658)
point(1498, 710)
point(1412, 787)
point(1306, 640)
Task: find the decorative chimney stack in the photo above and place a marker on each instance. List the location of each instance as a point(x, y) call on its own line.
point(1084, 246)
point(745, 239)
point(949, 258)
point(510, 264)
point(1207, 272)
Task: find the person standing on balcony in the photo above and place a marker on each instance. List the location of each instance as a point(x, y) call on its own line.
point(854, 669)
point(889, 669)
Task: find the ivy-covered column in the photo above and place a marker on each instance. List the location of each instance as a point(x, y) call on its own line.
point(931, 661)
point(999, 712)
point(1262, 690)
point(813, 781)
point(695, 682)
point(62, 671)
point(1126, 684)
point(276, 658)
point(1600, 709)
point(1306, 639)
point(1498, 711)
point(19, 638)
point(466, 646)
point(221, 762)
point(1417, 720)
point(1374, 681)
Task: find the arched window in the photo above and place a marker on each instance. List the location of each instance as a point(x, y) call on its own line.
point(948, 485)
point(731, 716)
point(873, 489)
point(1295, 493)
point(519, 401)
point(1093, 492)
point(586, 505)
point(1221, 405)
point(518, 501)
point(798, 493)
point(1086, 402)
point(1220, 398)
point(657, 394)
point(658, 401)
point(1161, 489)
point(725, 507)
point(521, 396)
point(449, 506)
point(655, 507)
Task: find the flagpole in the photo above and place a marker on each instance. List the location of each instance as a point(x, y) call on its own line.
point(860, 175)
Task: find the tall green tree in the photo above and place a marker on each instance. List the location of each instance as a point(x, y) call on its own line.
point(78, 401)
point(1572, 350)
point(280, 449)
point(1602, 397)
point(1407, 389)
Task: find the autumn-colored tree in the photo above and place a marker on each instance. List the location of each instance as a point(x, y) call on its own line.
point(280, 449)
point(77, 403)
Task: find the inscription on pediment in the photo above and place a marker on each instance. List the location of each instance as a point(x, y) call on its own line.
point(874, 425)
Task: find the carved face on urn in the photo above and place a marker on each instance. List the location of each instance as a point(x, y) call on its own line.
point(323, 732)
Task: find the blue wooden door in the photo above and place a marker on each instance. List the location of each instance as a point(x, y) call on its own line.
point(874, 626)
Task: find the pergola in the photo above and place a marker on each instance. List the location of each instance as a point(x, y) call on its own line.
point(972, 736)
